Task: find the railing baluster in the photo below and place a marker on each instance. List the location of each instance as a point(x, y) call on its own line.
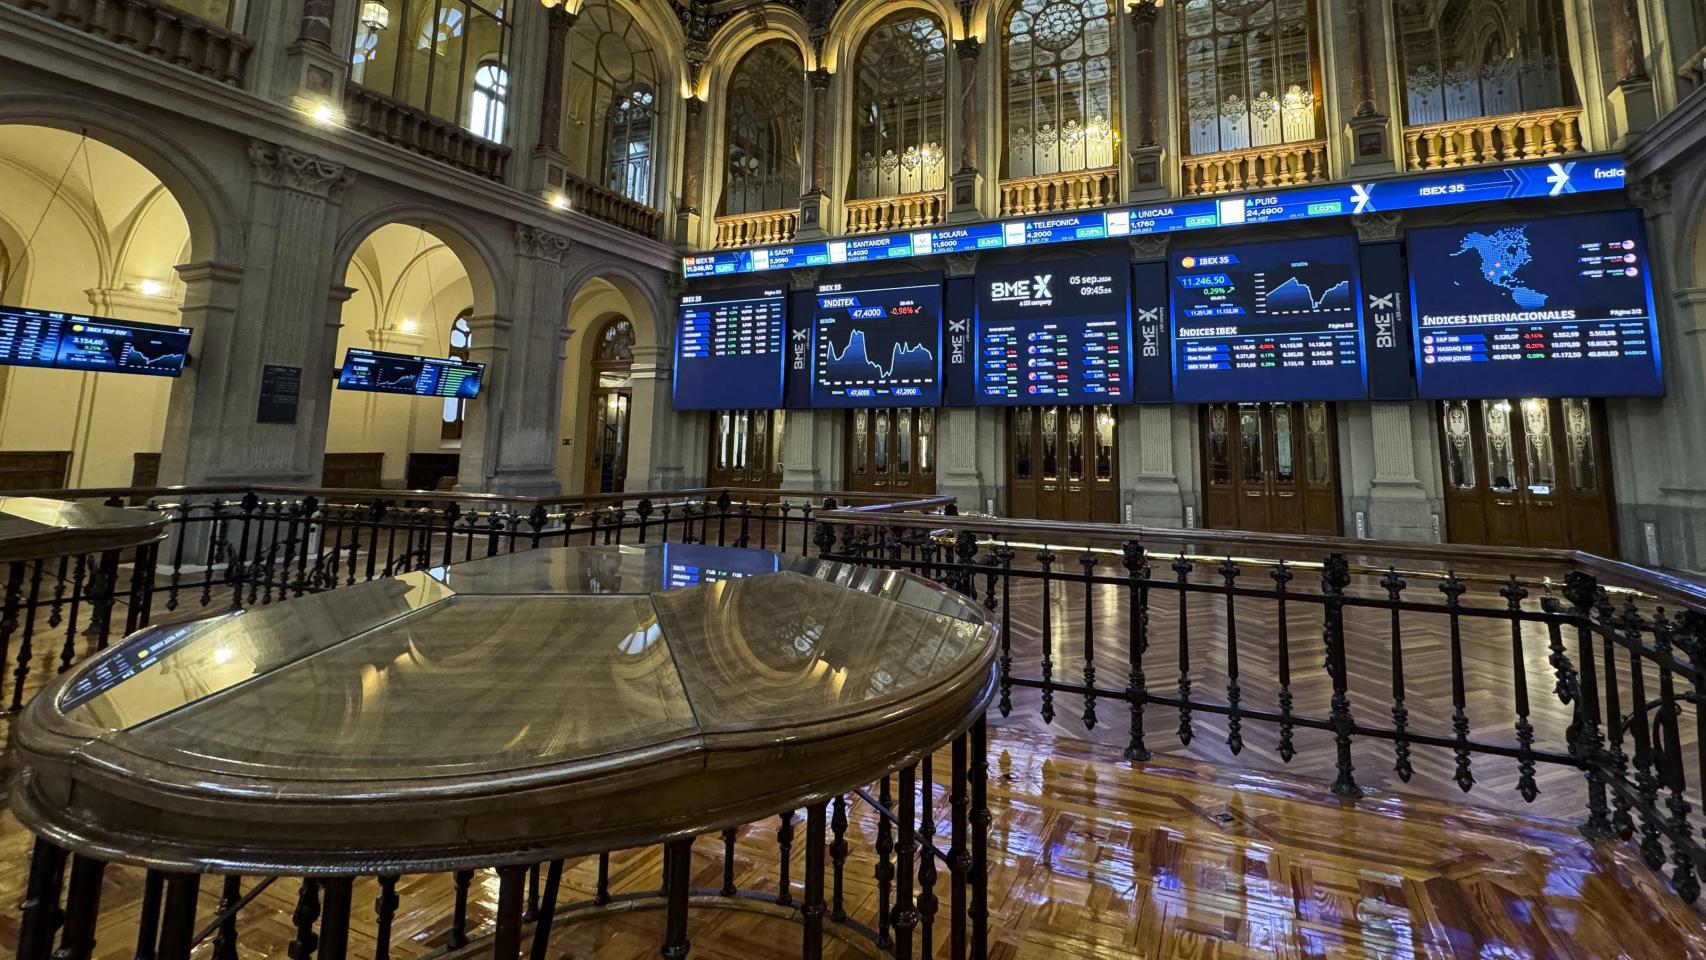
point(1229, 573)
point(884, 870)
point(728, 888)
point(1282, 577)
point(385, 913)
point(838, 850)
point(1646, 782)
point(225, 941)
point(1045, 559)
point(1586, 744)
point(1182, 570)
point(1394, 586)
point(1088, 561)
point(785, 845)
point(1608, 622)
point(1335, 576)
point(1136, 563)
point(1514, 595)
point(459, 909)
point(928, 904)
point(906, 847)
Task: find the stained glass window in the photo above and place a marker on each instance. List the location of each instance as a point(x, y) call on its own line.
point(899, 110)
point(766, 107)
point(1249, 73)
point(1061, 82)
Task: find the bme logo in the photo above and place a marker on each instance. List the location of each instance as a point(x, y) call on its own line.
point(1036, 288)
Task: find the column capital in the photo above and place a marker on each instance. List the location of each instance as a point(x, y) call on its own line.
point(489, 324)
point(291, 169)
point(961, 264)
point(1143, 12)
point(209, 270)
point(968, 48)
point(1378, 226)
point(820, 78)
point(538, 244)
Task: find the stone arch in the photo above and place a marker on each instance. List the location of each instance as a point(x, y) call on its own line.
point(1691, 262)
point(853, 21)
point(215, 227)
point(737, 37)
point(483, 264)
point(642, 294)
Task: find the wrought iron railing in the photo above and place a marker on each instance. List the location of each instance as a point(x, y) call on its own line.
point(1600, 665)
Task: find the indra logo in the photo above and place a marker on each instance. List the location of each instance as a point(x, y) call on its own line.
point(1036, 289)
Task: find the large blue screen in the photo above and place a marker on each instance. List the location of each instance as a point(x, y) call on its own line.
point(1271, 321)
point(374, 371)
point(878, 342)
point(1056, 332)
point(72, 341)
point(1561, 307)
point(729, 349)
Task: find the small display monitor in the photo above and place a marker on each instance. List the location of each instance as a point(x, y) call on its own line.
point(375, 371)
point(72, 341)
point(1055, 332)
point(878, 342)
point(690, 564)
point(1268, 322)
point(1560, 307)
point(729, 349)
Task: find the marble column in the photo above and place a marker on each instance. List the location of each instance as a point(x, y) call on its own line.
point(967, 181)
point(688, 216)
point(317, 71)
point(1147, 151)
point(265, 311)
point(1631, 100)
point(1367, 128)
point(814, 203)
point(549, 166)
point(509, 440)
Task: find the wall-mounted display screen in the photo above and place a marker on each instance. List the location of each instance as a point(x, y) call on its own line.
point(1272, 321)
point(1056, 332)
point(878, 342)
point(377, 372)
point(729, 349)
point(1539, 308)
point(71, 341)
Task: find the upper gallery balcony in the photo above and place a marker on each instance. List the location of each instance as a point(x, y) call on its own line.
point(159, 30)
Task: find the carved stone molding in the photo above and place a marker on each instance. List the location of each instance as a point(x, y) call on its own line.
point(805, 278)
point(537, 244)
point(968, 48)
point(1152, 246)
point(961, 264)
point(1651, 193)
point(1144, 12)
point(1378, 226)
point(292, 169)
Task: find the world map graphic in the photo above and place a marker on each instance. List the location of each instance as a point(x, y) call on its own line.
point(1504, 254)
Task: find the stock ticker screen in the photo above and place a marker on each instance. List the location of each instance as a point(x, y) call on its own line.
point(878, 342)
point(1537, 308)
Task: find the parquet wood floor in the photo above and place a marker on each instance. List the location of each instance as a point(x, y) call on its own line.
point(1092, 858)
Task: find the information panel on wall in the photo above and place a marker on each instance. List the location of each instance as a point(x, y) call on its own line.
point(71, 341)
point(729, 349)
point(375, 371)
point(1055, 332)
point(1536, 308)
point(1268, 322)
point(877, 342)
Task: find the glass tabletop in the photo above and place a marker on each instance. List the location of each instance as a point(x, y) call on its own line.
point(534, 658)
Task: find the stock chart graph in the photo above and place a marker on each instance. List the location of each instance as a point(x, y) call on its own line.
point(878, 345)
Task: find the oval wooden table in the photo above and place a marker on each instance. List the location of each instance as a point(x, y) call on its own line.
point(508, 713)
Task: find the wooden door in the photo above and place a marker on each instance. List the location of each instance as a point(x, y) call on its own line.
point(1528, 472)
point(892, 451)
point(1271, 467)
point(1062, 464)
point(746, 448)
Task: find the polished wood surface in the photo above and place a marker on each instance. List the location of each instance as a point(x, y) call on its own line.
point(582, 708)
point(1092, 858)
point(33, 527)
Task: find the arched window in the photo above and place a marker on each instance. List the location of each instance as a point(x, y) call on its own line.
point(1482, 58)
point(486, 111)
point(1061, 83)
point(766, 107)
point(899, 107)
point(615, 342)
point(1249, 72)
point(447, 57)
point(611, 93)
point(456, 409)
